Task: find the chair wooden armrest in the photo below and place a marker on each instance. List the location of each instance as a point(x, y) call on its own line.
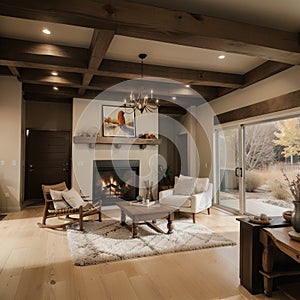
point(50, 211)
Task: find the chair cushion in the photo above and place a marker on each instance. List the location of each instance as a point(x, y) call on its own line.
point(185, 186)
point(201, 185)
point(73, 198)
point(176, 201)
point(57, 195)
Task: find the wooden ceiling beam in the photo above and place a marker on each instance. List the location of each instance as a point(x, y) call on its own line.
point(264, 71)
point(100, 42)
point(188, 76)
point(137, 20)
point(14, 71)
point(18, 53)
point(45, 77)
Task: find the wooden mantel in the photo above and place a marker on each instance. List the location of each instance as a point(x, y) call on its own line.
point(116, 141)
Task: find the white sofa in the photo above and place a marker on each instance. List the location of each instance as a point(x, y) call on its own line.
point(198, 201)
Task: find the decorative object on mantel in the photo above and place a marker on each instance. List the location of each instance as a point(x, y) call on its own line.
point(141, 101)
point(262, 219)
point(147, 136)
point(109, 241)
point(294, 186)
point(115, 141)
point(91, 132)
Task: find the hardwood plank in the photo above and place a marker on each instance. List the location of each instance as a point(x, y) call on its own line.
point(120, 280)
point(170, 287)
point(145, 288)
point(38, 256)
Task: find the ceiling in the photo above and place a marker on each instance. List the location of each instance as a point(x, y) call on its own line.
point(95, 45)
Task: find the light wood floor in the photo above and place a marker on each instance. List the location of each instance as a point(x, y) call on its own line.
point(35, 264)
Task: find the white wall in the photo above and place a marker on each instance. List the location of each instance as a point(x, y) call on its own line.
point(10, 149)
point(87, 114)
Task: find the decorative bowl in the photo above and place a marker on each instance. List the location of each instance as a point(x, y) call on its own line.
point(287, 215)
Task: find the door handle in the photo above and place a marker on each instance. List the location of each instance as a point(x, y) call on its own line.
point(238, 172)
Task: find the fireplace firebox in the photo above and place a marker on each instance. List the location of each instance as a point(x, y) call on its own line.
point(115, 180)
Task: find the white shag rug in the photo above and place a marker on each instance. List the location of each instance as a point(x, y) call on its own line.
point(109, 241)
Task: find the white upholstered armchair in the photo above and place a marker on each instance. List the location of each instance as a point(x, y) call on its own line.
point(187, 196)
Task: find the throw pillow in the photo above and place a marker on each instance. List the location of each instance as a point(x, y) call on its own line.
point(57, 195)
point(73, 198)
point(201, 185)
point(185, 186)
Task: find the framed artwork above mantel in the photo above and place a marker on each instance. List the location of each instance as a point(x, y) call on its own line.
point(117, 122)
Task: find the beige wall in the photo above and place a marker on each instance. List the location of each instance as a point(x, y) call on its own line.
point(277, 85)
point(10, 149)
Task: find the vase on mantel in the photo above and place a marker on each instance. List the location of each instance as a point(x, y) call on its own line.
point(295, 220)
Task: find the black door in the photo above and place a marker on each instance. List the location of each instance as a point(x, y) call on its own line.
point(47, 161)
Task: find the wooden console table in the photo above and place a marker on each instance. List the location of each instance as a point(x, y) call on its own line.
point(274, 266)
point(251, 252)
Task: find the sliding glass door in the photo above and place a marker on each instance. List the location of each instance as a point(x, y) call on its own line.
point(229, 172)
point(249, 164)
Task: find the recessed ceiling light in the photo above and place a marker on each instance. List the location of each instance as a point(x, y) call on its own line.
point(46, 31)
point(54, 73)
point(173, 98)
point(187, 85)
point(222, 56)
point(55, 88)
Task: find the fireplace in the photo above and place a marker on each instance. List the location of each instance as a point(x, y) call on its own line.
point(115, 181)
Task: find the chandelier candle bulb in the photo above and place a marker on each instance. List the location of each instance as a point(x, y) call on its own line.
point(141, 100)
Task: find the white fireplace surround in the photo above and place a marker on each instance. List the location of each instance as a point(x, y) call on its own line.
point(87, 114)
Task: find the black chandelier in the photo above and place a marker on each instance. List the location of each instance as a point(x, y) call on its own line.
point(141, 100)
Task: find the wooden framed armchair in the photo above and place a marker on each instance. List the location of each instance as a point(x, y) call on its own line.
point(57, 207)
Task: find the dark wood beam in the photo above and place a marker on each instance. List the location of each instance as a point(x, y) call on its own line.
point(45, 77)
point(98, 83)
point(264, 71)
point(284, 102)
point(207, 92)
point(62, 92)
point(188, 76)
point(99, 45)
point(14, 71)
point(18, 53)
point(137, 20)
point(171, 110)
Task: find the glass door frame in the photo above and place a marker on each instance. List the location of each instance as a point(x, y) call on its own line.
point(241, 159)
point(241, 144)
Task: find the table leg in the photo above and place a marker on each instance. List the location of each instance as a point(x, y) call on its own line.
point(170, 224)
point(267, 262)
point(123, 218)
point(135, 230)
